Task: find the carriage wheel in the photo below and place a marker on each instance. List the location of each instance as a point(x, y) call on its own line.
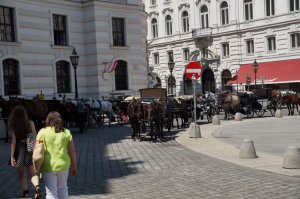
point(272, 111)
point(122, 118)
point(249, 112)
point(272, 108)
point(260, 112)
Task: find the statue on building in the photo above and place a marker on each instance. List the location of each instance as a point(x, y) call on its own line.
point(152, 78)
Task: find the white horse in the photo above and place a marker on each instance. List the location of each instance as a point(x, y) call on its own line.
point(100, 107)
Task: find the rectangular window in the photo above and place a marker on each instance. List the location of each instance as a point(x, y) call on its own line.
point(225, 49)
point(170, 56)
point(294, 5)
point(118, 30)
point(156, 58)
point(250, 46)
point(7, 32)
point(248, 11)
point(204, 53)
point(153, 2)
point(270, 7)
point(60, 30)
point(271, 43)
point(186, 54)
point(295, 40)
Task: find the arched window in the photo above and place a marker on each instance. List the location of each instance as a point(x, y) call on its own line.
point(158, 85)
point(224, 13)
point(63, 77)
point(11, 77)
point(171, 85)
point(121, 76)
point(248, 9)
point(154, 28)
point(226, 76)
point(185, 21)
point(168, 25)
point(188, 86)
point(204, 16)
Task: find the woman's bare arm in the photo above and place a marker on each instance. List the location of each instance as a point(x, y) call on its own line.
point(33, 127)
point(12, 149)
point(72, 154)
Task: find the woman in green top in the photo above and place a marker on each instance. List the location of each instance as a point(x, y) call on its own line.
point(59, 156)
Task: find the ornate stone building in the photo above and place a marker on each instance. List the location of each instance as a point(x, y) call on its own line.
point(226, 37)
point(37, 38)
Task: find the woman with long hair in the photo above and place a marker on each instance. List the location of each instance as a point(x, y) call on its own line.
point(20, 126)
point(59, 156)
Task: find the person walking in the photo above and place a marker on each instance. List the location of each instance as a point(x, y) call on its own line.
point(59, 156)
point(20, 126)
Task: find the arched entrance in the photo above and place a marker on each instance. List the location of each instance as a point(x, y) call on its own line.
point(208, 81)
point(226, 76)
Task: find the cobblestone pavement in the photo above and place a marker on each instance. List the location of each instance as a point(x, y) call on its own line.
point(111, 165)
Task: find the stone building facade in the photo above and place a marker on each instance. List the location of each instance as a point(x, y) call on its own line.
point(37, 38)
point(226, 37)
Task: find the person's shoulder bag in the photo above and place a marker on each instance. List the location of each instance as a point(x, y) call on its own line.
point(30, 139)
point(38, 154)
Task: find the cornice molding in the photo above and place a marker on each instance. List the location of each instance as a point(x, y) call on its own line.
point(199, 1)
point(153, 13)
point(169, 10)
point(187, 5)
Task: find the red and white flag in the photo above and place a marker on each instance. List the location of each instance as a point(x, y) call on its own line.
point(111, 67)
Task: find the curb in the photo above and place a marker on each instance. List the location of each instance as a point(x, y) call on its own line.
point(216, 148)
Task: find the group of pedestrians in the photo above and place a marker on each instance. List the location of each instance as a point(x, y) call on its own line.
point(59, 153)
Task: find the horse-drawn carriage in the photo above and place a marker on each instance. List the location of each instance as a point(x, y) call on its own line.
point(256, 102)
point(148, 110)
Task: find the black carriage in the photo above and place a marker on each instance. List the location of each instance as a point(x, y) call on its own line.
point(258, 102)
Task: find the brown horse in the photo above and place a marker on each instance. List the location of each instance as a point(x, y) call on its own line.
point(134, 111)
point(292, 100)
point(229, 102)
point(157, 119)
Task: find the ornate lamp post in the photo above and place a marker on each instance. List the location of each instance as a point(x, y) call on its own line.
point(255, 69)
point(171, 65)
point(74, 60)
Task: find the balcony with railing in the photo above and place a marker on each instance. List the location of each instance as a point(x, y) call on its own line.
point(201, 32)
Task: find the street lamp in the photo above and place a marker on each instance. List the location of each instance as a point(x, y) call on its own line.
point(74, 60)
point(171, 65)
point(255, 69)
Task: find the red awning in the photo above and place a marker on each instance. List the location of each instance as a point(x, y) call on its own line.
point(286, 71)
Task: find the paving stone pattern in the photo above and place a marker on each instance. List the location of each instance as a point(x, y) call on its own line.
point(111, 165)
